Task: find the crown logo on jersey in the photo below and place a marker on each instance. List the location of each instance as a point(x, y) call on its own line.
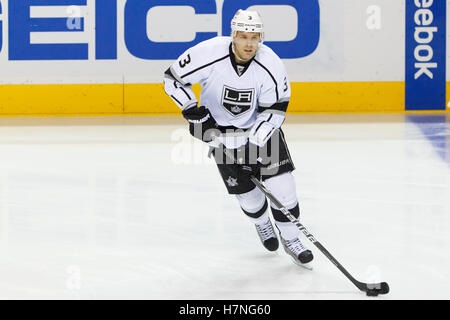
point(236, 109)
point(237, 101)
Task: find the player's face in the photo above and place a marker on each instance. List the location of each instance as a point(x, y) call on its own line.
point(246, 44)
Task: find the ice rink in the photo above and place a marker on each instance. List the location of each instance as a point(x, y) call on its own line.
point(131, 208)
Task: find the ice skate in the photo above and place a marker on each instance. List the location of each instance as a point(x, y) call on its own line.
point(299, 253)
point(267, 235)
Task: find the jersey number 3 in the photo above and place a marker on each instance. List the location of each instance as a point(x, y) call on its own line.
point(185, 61)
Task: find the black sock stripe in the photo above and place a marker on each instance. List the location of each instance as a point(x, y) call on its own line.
point(259, 213)
point(280, 217)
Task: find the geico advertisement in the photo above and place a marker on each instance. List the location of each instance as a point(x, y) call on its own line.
point(119, 38)
point(133, 41)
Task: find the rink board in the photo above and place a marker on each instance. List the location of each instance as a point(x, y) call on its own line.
point(109, 56)
point(151, 99)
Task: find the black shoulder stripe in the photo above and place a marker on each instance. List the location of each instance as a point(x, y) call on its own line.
point(280, 106)
point(273, 78)
point(204, 66)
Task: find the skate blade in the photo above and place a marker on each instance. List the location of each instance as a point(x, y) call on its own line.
point(307, 266)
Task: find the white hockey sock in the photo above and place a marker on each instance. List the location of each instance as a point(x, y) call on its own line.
point(283, 188)
point(254, 205)
point(288, 230)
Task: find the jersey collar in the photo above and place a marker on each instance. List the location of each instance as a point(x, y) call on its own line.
point(239, 68)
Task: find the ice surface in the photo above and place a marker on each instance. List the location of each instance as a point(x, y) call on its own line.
point(131, 208)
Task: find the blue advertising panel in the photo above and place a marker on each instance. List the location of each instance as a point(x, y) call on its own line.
point(425, 78)
point(21, 25)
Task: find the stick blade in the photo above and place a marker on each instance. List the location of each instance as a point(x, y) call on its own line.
point(374, 289)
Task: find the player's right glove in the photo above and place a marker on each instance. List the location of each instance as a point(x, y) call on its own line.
point(202, 125)
point(261, 132)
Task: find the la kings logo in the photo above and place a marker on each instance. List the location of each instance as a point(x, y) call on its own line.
point(237, 101)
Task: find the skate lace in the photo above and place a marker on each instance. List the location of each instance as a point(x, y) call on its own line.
point(295, 246)
point(265, 230)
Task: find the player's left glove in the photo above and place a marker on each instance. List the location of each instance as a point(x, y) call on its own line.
point(202, 125)
point(261, 133)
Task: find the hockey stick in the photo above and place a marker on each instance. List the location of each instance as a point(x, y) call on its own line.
point(371, 289)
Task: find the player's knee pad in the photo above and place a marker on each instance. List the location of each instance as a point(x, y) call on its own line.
point(283, 188)
point(253, 203)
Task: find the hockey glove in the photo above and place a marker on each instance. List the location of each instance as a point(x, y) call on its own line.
point(261, 133)
point(201, 123)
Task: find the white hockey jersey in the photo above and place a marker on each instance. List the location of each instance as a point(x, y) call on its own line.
point(238, 96)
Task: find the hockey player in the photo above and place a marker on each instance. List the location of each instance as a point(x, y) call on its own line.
point(243, 102)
